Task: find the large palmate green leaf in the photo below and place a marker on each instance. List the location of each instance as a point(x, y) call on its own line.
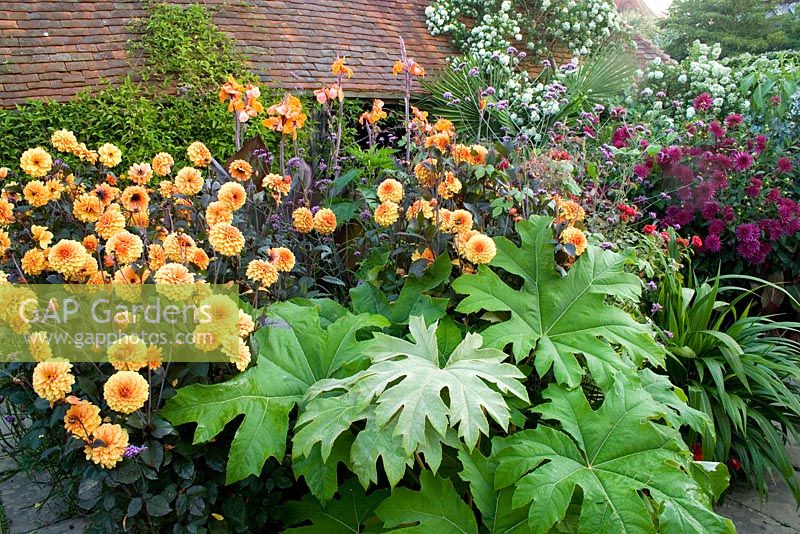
point(412, 399)
point(625, 463)
point(352, 512)
point(436, 507)
point(295, 352)
point(368, 298)
point(497, 512)
point(560, 317)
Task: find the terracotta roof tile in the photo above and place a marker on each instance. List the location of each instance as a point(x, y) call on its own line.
point(56, 48)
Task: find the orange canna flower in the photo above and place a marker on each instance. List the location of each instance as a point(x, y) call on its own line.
point(339, 68)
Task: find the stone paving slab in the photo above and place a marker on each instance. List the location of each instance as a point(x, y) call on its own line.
point(19, 495)
point(776, 515)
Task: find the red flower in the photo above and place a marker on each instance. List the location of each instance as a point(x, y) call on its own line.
point(626, 212)
point(697, 452)
point(703, 102)
point(682, 241)
point(665, 236)
point(697, 242)
point(735, 464)
point(649, 229)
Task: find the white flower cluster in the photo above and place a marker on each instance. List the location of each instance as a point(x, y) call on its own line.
point(581, 26)
point(701, 72)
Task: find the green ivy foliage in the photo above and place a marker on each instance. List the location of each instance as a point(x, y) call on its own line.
point(181, 44)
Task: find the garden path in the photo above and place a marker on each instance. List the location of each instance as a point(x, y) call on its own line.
point(20, 494)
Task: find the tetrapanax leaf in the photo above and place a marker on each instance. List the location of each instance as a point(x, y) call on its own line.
point(497, 513)
point(410, 394)
point(436, 507)
point(614, 454)
point(353, 511)
point(368, 298)
point(671, 396)
point(295, 352)
point(560, 317)
point(373, 443)
point(265, 394)
point(319, 474)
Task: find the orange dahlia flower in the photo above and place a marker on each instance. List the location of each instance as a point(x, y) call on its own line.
point(108, 447)
point(126, 391)
point(52, 379)
point(226, 239)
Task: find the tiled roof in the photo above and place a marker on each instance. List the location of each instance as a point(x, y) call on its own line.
point(56, 48)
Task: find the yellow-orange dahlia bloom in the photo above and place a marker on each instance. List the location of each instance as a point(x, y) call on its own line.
point(87, 208)
point(188, 181)
point(387, 213)
point(478, 154)
point(325, 221)
point(422, 206)
point(240, 170)
point(576, 237)
point(126, 391)
point(135, 198)
point(108, 448)
point(64, 141)
point(162, 164)
point(461, 221)
point(236, 349)
point(153, 357)
point(41, 235)
point(232, 194)
point(245, 325)
point(217, 212)
point(36, 162)
point(34, 262)
point(570, 211)
point(449, 186)
point(36, 193)
point(5, 242)
point(156, 257)
point(425, 171)
point(263, 272)
point(480, 249)
point(178, 246)
point(85, 154)
point(39, 346)
point(109, 155)
point(439, 140)
point(82, 419)
point(461, 239)
point(199, 258)
point(6, 212)
point(125, 247)
point(67, 257)
point(174, 281)
point(283, 258)
point(199, 154)
point(426, 254)
point(140, 173)
point(52, 379)
point(128, 353)
point(390, 190)
point(303, 220)
point(105, 193)
point(226, 239)
point(111, 222)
